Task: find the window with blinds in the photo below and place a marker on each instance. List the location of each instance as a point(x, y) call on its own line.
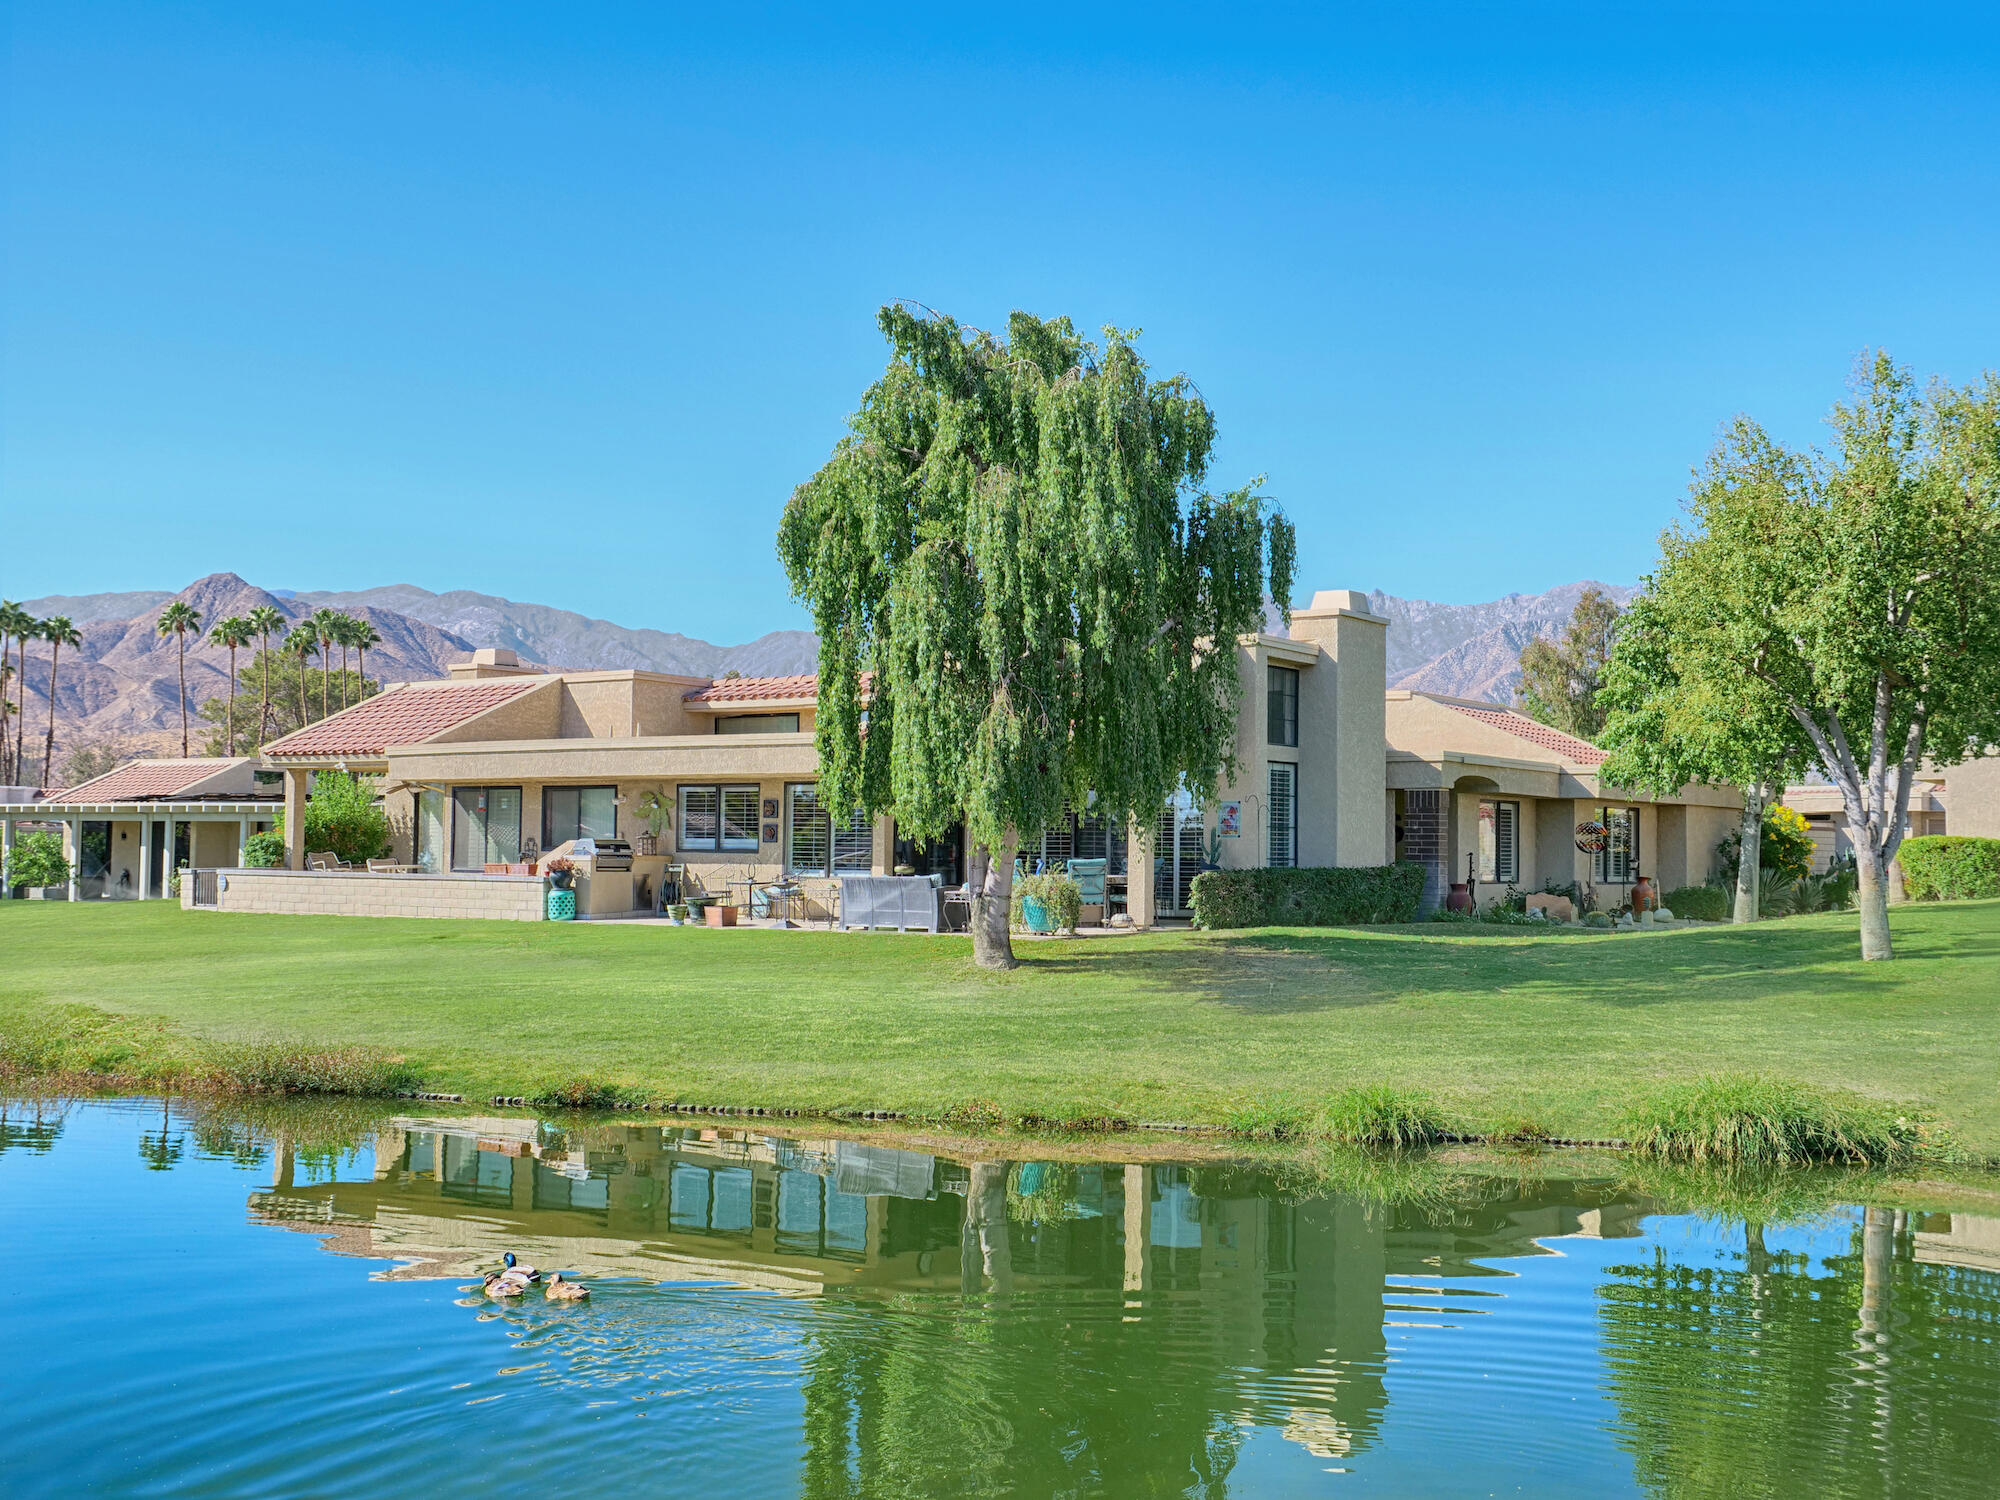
point(578, 812)
point(814, 845)
point(1281, 706)
point(739, 817)
point(1283, 807)
point(1500, 842)
point(700, 819)
point(1618, 861)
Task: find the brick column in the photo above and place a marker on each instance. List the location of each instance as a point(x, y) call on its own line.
point(1425, 839)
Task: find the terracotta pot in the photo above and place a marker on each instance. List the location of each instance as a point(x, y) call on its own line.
point(1644, 897)
point(719, 916)
point(1460, 898)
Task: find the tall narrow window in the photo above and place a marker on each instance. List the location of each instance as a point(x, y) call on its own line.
point(1619, 858)
point(578, 812)
point(818, 844)
point(1284, 810)
point(1500, 842)
point(739, 817)
point(1282, 706)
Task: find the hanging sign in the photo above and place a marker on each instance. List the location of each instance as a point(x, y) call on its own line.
point(1229, 819)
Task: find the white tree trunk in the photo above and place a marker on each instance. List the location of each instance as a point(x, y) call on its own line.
point(1750, 855)
point(1871, 895)
point(992, 907)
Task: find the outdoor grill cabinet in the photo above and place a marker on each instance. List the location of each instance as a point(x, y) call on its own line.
point(899, 901)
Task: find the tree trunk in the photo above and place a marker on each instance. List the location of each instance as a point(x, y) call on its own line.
point(184, 696)
point(49, 745)
point(986, 1259)
point(1871, 896)
point(231, 721)
point(1749, 854)
point(992, 903)
point(264, 693)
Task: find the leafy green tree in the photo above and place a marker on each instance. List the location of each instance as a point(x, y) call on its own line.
point(177, 619)
point(1667, 728)
point(1857, 589)
point(59, 631)
point(38, 861)
point(1560, 679)
point(267, 621)
point(289, 681)
point(1023, 596)
point(233, 633)
point(344, 814)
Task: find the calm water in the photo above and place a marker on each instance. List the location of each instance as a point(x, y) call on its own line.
point(223, 1304)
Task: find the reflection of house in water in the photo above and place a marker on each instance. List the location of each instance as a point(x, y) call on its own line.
point(1094, 1269)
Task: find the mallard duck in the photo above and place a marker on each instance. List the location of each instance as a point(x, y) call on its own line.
point(565, 1291)
point(515, 1268)
point(504, 1284)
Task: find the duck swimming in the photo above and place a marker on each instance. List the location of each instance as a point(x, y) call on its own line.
point(565, 1291)
point(515, 1268)
point(504, 1284)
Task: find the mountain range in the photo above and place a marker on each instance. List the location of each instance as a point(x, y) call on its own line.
point(119, 687)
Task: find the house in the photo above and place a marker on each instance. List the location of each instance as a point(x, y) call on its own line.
point(124, 831)
point(1960, 799)
point(1482, 795)
point(484, 774)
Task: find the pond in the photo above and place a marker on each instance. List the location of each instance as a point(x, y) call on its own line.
point(235, 1301)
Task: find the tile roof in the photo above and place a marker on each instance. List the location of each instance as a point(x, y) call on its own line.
point(754, 689)
point(1568, 746)
point(144, 779)
point(401, 716)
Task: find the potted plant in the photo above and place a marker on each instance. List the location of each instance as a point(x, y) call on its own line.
point(657, 810)
point(561, 872)
point(677, 913)
point(1047, 903)
point(719, 914)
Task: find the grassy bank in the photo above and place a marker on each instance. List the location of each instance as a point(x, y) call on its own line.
point(1562, 1032)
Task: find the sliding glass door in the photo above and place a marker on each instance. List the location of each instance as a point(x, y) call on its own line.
point(487, 826)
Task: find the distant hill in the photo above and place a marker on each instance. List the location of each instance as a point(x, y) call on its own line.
point(119, 688)
point(576, 641)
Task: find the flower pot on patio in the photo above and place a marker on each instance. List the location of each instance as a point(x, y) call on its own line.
point(719, 916)
point(1036, 916)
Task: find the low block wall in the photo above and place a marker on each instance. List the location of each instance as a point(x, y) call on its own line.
point(505, 898)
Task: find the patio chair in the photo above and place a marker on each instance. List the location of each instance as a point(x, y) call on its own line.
point(383, 866)
point(327, 862)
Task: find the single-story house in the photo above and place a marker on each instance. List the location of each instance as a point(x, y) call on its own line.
point(124, 831)
point(1484, 796)
point(1962, 799)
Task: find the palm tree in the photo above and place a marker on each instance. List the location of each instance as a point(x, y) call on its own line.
point(233, 632)
point(302, 644)
point(364, 637)
point(176, 620)
point(19, 624)
point(10, 613)
point(264, 619)
point(325, 630)
point(343, 637)
point(59, 631)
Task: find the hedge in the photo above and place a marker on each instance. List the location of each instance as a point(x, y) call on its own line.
point(1308, 898)
point(1942, 867)
point(1702, 903)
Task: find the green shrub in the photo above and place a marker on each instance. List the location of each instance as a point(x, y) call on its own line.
point(1700, 903)
point(1059, 896)
point(344, 815)
point(1502, 915)
point(1787, 845)
point(1945, 867)
point(1598, 919)
point(265, 851)
point(578, 1093)
point(1377, 1115)
point(1320, 897)
point(38, 861)
point(1754, 1121)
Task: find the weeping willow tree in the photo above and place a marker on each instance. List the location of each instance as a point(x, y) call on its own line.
point(1024, 595)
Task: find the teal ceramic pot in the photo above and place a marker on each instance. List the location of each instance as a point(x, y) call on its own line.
point(1036, 915)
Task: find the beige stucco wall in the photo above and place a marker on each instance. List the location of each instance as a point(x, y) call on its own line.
point(536, 714)
point(1971, 798)
point(515, 898)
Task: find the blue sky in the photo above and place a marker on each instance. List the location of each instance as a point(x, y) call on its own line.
point(560, 302)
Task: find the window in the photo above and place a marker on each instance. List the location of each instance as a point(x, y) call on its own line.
point(757, 724)
point(719, 817)
point(1282, 706)
point(578, 812)
point(814, 846)
point(430, 830)
point(487, 830)
point(1283, 852)
point(1500, 842)
point(1618, 860)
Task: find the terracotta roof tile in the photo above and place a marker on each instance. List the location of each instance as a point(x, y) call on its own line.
point(1568, 746)
point(402, 716)
point(755, 689)
point(142, 779)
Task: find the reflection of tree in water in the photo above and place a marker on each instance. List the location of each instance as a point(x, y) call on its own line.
point(1872, 1375)
point(161, 1149)
point(30, 1125)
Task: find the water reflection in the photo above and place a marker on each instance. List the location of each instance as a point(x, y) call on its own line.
point(886, 1321)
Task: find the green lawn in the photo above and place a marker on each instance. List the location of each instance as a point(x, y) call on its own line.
point(1565, 1029)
